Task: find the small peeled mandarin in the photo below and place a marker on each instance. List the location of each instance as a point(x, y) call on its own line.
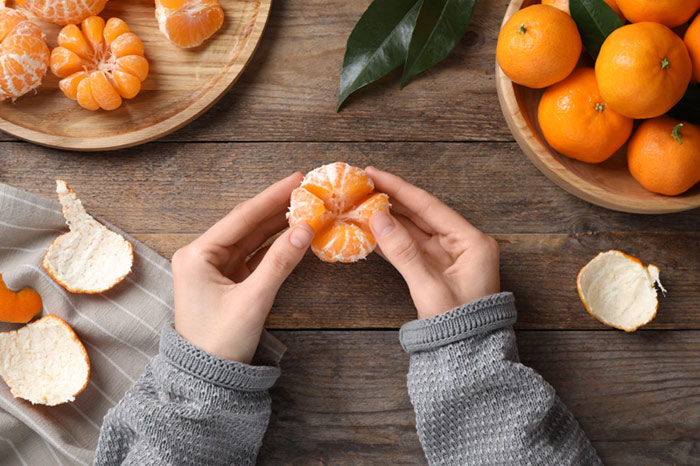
point(100, 63)
point(62, 11)
point(337, 201)
point(24, 55)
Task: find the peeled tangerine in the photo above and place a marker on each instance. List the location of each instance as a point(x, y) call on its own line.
point(100, 64)
point(44, 362)
point(619, 290)
point(24, 55)
point(337, 201)
point(188, 23)
point(62, 11)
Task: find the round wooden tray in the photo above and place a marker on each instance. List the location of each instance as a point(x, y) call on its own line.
point(608, 184)
point(182, 84)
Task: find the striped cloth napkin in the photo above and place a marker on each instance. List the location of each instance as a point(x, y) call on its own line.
point(120, 330)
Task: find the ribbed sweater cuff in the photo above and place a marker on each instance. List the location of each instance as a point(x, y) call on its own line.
point(213, 369)
point(478, 316)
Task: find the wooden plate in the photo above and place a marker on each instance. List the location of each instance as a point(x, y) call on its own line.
point(182, 83)
point(608, 184)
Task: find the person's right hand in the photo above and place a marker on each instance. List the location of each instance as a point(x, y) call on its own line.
point(445, 260)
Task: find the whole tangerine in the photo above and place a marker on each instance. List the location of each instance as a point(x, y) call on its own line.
point(692, 42)
point(538, 46)
point(643, 70)
point(577, 122)
point(670, 13)
point(563, 5)
point(663, 155)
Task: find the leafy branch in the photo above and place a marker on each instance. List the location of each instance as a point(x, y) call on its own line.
point(415, 33)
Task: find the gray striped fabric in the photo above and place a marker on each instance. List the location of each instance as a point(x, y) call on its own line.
point(120, 330)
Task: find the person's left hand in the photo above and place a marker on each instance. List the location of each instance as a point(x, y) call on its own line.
point(222, 297)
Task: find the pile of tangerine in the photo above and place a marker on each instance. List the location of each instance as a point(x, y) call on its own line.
point(642, 71)
point(100, 62)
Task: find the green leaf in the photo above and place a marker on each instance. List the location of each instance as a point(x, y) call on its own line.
point(688, 109)
point(378, 43)
point(439, 27)
point(595, 21)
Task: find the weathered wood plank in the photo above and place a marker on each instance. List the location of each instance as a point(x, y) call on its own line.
point(166, 191)
point(289, 90)
point(342, 397)
point(184, 188)
point(540, 269)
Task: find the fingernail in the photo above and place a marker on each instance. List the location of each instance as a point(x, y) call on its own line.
point(300, 237)
point(381, 224)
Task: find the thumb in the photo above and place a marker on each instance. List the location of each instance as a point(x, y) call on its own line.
point(399, 248)
point(279, 261)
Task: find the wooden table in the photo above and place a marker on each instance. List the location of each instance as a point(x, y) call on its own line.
point(342, 396)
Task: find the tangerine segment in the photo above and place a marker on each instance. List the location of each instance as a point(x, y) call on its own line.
point(343, 243)
point(24, 55)
point(338, 185)
point(188, 23)
point(337, 201)
point(308, 208)
point(62, 11)
point(108, 55)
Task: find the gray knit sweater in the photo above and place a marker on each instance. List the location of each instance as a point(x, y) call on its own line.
point(475, 403)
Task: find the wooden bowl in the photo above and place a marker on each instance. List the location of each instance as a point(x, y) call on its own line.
point(182, 83)
point(608, 184)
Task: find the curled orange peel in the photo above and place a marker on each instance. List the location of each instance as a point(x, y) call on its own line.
point(18, 306)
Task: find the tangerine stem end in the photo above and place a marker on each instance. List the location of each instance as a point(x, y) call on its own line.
point(676, 133)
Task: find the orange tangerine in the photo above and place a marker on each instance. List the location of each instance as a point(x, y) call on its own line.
point(188, 23)
point(643, 70)
point(576, 121)
point(670, 13)
point(24, 55)
point(62, 11)
point(663, 155)
point(100, 64)
point(337, 201)
point(538, 46)
point(563, 5)
point(692, 41)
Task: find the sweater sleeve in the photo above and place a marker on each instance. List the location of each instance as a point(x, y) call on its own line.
point(475, 403)
point(189, 408)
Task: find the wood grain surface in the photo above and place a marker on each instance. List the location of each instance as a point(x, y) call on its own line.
point(167, 194)
point(182, 83)
point(290, 88)
point(342, 396)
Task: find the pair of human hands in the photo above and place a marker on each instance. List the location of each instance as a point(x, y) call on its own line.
point(225, 282)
